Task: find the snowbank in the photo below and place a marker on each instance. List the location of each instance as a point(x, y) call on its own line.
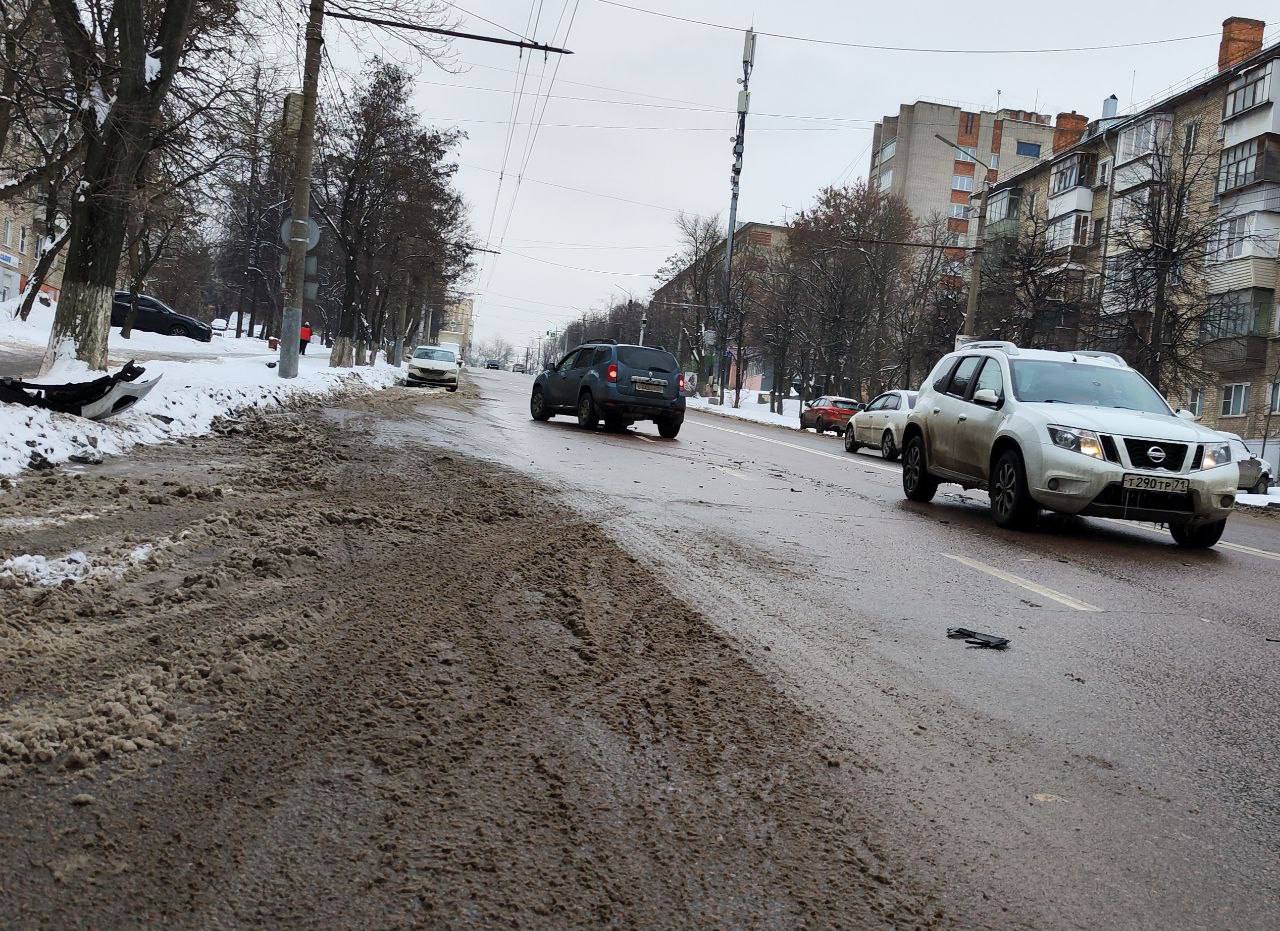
point(1270, 500)
point(192, 393)
point(750, 410)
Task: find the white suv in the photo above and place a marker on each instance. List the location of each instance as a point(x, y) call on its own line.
point(1076, 432)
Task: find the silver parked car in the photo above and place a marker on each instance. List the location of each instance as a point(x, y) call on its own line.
point(1255, 473)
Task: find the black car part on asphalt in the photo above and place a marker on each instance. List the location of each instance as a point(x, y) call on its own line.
point(977, 638)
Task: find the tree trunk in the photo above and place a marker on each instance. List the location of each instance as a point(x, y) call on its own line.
point(82, 323)
point(38, 276)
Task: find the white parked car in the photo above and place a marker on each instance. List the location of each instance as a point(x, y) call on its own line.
point(1255, 472)
point(434, 365)
point(881, 423)
point(1075, 432)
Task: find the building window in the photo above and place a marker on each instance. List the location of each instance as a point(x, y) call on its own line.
point(886, 151)
point(1190, 136)
point(1237, 313)
point(8, 232)
point(1142, 138)
point(1195, 403)
point(1066, 174)
point(1239, 165)
point(1097, 230)
point(967, 153)
point(1029, 149)
point(1104, 172)
point(886, 179)
point(1273, 402)
point(1092, 289)
point(1132, 208)
point(1228, 240)
point(1235, 400)
point(1070, 230)
point(1246, 91)
point(1002, 205)
point(993, 161)
point(961, 183)
point(960, 212)
point(22, 241)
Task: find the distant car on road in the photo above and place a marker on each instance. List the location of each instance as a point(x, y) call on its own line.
point(1255, 473)
point(1075, 432)
point(881, 423)
point(433, 365)
point(621, 383)
point(518, 368)
point(492, 364)
point(154, 316)
point(829, 412)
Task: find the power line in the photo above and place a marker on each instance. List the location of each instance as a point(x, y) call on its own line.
point(579, 268)
point(906, 48)
point(578, 190)
point(483, 19)
point(683, 129)
point(435, 30)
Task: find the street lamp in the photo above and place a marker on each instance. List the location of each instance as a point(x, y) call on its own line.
point(975, 275)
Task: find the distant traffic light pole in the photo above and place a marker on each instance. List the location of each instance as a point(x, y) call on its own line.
point(739, 141)
point(975, 274)
point(296, 269)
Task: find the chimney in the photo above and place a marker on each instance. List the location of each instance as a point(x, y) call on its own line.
point(1241, 38)
point(1110, 107)
point(1068, 130)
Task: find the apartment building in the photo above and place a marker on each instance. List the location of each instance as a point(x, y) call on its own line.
point(907, 158)
point(20, 233)
point(1082, 191)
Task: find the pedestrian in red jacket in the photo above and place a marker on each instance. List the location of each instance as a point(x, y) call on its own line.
point(304, 337)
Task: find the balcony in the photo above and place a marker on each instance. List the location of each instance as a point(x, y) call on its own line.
point(1236, 353)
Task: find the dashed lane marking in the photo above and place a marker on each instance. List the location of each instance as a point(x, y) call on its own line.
point(856, 461)
point(1222, 544)
point(1073, 603)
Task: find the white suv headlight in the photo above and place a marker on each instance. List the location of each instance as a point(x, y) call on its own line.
point(1216, 455)
point(1077, 440)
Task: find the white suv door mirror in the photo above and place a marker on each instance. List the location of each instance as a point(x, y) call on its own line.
point(987, 397)
point(1185, 414)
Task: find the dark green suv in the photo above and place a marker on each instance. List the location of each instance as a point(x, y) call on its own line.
point(617, 383)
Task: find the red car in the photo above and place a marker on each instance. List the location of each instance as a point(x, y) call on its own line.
point(829, 413)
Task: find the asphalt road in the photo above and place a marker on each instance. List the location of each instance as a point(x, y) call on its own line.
point(1119, 765)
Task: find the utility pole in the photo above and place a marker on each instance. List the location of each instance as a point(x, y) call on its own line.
point(975, 274)
point(644, 324)
point(299, 228)
point(739, 142)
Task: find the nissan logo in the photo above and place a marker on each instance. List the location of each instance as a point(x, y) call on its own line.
point(1156, 454)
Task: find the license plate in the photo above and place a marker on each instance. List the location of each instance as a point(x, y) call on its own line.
point(1155, 483)
point(649, 388)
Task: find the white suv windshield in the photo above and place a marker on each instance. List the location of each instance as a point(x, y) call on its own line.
point(1079, 383)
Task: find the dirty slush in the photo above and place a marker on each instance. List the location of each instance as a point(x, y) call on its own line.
point(284, 675)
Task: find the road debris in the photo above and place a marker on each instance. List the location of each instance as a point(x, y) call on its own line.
point(977, 638)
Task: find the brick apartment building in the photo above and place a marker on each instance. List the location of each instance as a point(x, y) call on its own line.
point(907, 158)
point(751, 241)
point(21, 230)
point(1081, 190)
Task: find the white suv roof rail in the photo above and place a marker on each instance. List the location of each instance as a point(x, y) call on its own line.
point(1008, 348)
point(1097, 354)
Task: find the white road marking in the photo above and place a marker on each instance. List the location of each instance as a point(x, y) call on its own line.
point(847, 459)
point(647, 439)
point(1238, 547)
point(1241, 548)
point(1073, 603)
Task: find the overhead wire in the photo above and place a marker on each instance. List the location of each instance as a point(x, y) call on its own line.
point(907, 48)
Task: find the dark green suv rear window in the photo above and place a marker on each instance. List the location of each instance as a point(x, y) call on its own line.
point(642, 357)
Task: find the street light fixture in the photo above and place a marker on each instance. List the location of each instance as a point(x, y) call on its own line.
point(975, 275)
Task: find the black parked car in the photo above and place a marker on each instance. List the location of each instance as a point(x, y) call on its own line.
point(155, 317)
point(621, 384)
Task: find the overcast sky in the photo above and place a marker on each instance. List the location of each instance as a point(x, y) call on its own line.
point(644, 148)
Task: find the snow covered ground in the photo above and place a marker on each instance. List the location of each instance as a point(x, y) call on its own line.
point(750, 410)
point(1270, 499)
point(199, 383)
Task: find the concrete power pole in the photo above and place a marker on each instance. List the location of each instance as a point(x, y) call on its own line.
point(975, 273)
point(739, 141)
point(299, 230)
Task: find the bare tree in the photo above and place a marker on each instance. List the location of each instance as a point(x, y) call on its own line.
point(1156, 307)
